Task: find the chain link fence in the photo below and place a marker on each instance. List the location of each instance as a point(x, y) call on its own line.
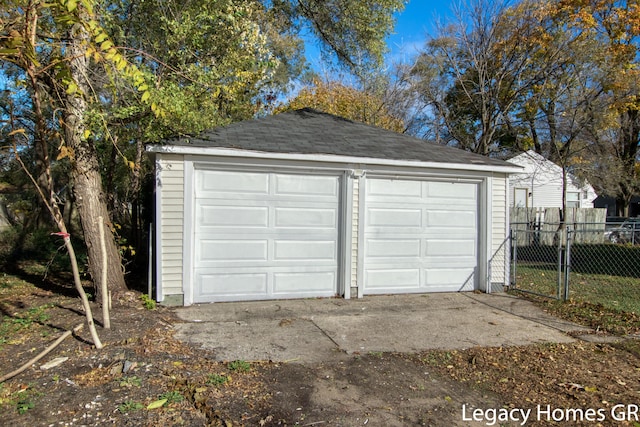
point(579, 261)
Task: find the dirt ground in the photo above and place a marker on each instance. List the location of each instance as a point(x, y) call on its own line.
point(142, 366)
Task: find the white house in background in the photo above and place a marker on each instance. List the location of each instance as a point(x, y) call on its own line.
point(539, 185)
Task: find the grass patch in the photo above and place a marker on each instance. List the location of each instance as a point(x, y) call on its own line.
point(12, 329)
point(239, 366)
point(217, 379)
point(130, 382)
point(608, 303)
point(604, 284)
point(129, 406)
point(172, 397)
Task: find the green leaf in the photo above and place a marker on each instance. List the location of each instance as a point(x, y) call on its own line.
point(88, 5)
point(72, 5)
point(101, 37)
point(106, 45)
point(157, 404)
point(8, 51)
point(145, 96)
point(72, 88)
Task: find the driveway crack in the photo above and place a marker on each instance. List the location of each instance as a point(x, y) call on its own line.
point(325, 334)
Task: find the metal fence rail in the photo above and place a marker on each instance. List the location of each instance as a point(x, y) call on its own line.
point(557, 261)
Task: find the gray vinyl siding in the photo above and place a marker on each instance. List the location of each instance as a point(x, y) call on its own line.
point(499, 256)
point(171, 185)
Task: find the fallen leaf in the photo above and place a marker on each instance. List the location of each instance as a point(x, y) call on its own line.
point(157, 404)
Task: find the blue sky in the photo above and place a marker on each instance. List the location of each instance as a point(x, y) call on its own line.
point(414, 23)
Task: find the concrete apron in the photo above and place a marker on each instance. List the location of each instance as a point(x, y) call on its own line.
point(315, 330)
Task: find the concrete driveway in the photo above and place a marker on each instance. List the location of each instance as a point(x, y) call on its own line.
point(314, 330)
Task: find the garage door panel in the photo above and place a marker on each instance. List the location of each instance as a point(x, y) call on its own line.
point(459, 279)
point(232, 250)
point(233, 216)
point(451, 219)
point(320, 283)
point(306, 217)
point(388, 188)
point(305, 250)
point(392, 248)
point(451, 190)
point(230, 182)
point(450, 248)
point(304, 186)
point(378, 217)
point(392, 279)
point(229, 284)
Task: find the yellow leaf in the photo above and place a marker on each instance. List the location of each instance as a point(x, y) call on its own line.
point(87, 4)
point(121, 64)
point(72, 5)
point(64, 152)
point(591, 389)
point(86, 134)
point(14, 132)
point(145, 96)
point(72, 88)
point(106, 45)
point(101, 37)
point(157, 404)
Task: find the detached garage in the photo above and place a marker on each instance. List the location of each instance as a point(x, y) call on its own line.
point(306, 204)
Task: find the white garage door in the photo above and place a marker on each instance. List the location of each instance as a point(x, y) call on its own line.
point(420, 236)
point(261, 235)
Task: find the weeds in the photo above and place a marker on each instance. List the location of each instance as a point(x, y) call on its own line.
point(129, 406)
point(217, 379)
point(130, 382)
point(239, 366)
point(148, 302)
point(172, 397)
point(24, 405)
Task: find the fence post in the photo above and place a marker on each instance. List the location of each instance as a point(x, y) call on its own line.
point(560, 238)
point(514, 256)
point(567, 264)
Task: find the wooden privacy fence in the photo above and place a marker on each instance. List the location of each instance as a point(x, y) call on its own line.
point(541, 226)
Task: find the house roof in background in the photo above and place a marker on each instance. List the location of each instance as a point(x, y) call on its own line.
point(311, 132)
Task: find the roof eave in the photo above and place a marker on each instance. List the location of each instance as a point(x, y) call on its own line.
point(327, 158)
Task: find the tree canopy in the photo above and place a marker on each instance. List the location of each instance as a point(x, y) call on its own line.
point(558, 76)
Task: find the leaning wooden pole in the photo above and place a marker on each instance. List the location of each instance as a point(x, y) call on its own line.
point(106, 320)
point(80, 289)
point(40, 355)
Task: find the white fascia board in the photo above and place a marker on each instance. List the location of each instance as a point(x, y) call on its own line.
point(330, 158)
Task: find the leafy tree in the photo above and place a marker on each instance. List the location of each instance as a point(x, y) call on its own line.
point(346, 101)
point(470, 76)
point(351, 30)
point(613, 28)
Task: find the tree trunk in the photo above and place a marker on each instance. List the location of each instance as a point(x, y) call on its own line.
point(134, 195)
point(87, 181)
point(628, 142)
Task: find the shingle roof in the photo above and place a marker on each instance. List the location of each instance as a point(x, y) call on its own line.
point(308, 131)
